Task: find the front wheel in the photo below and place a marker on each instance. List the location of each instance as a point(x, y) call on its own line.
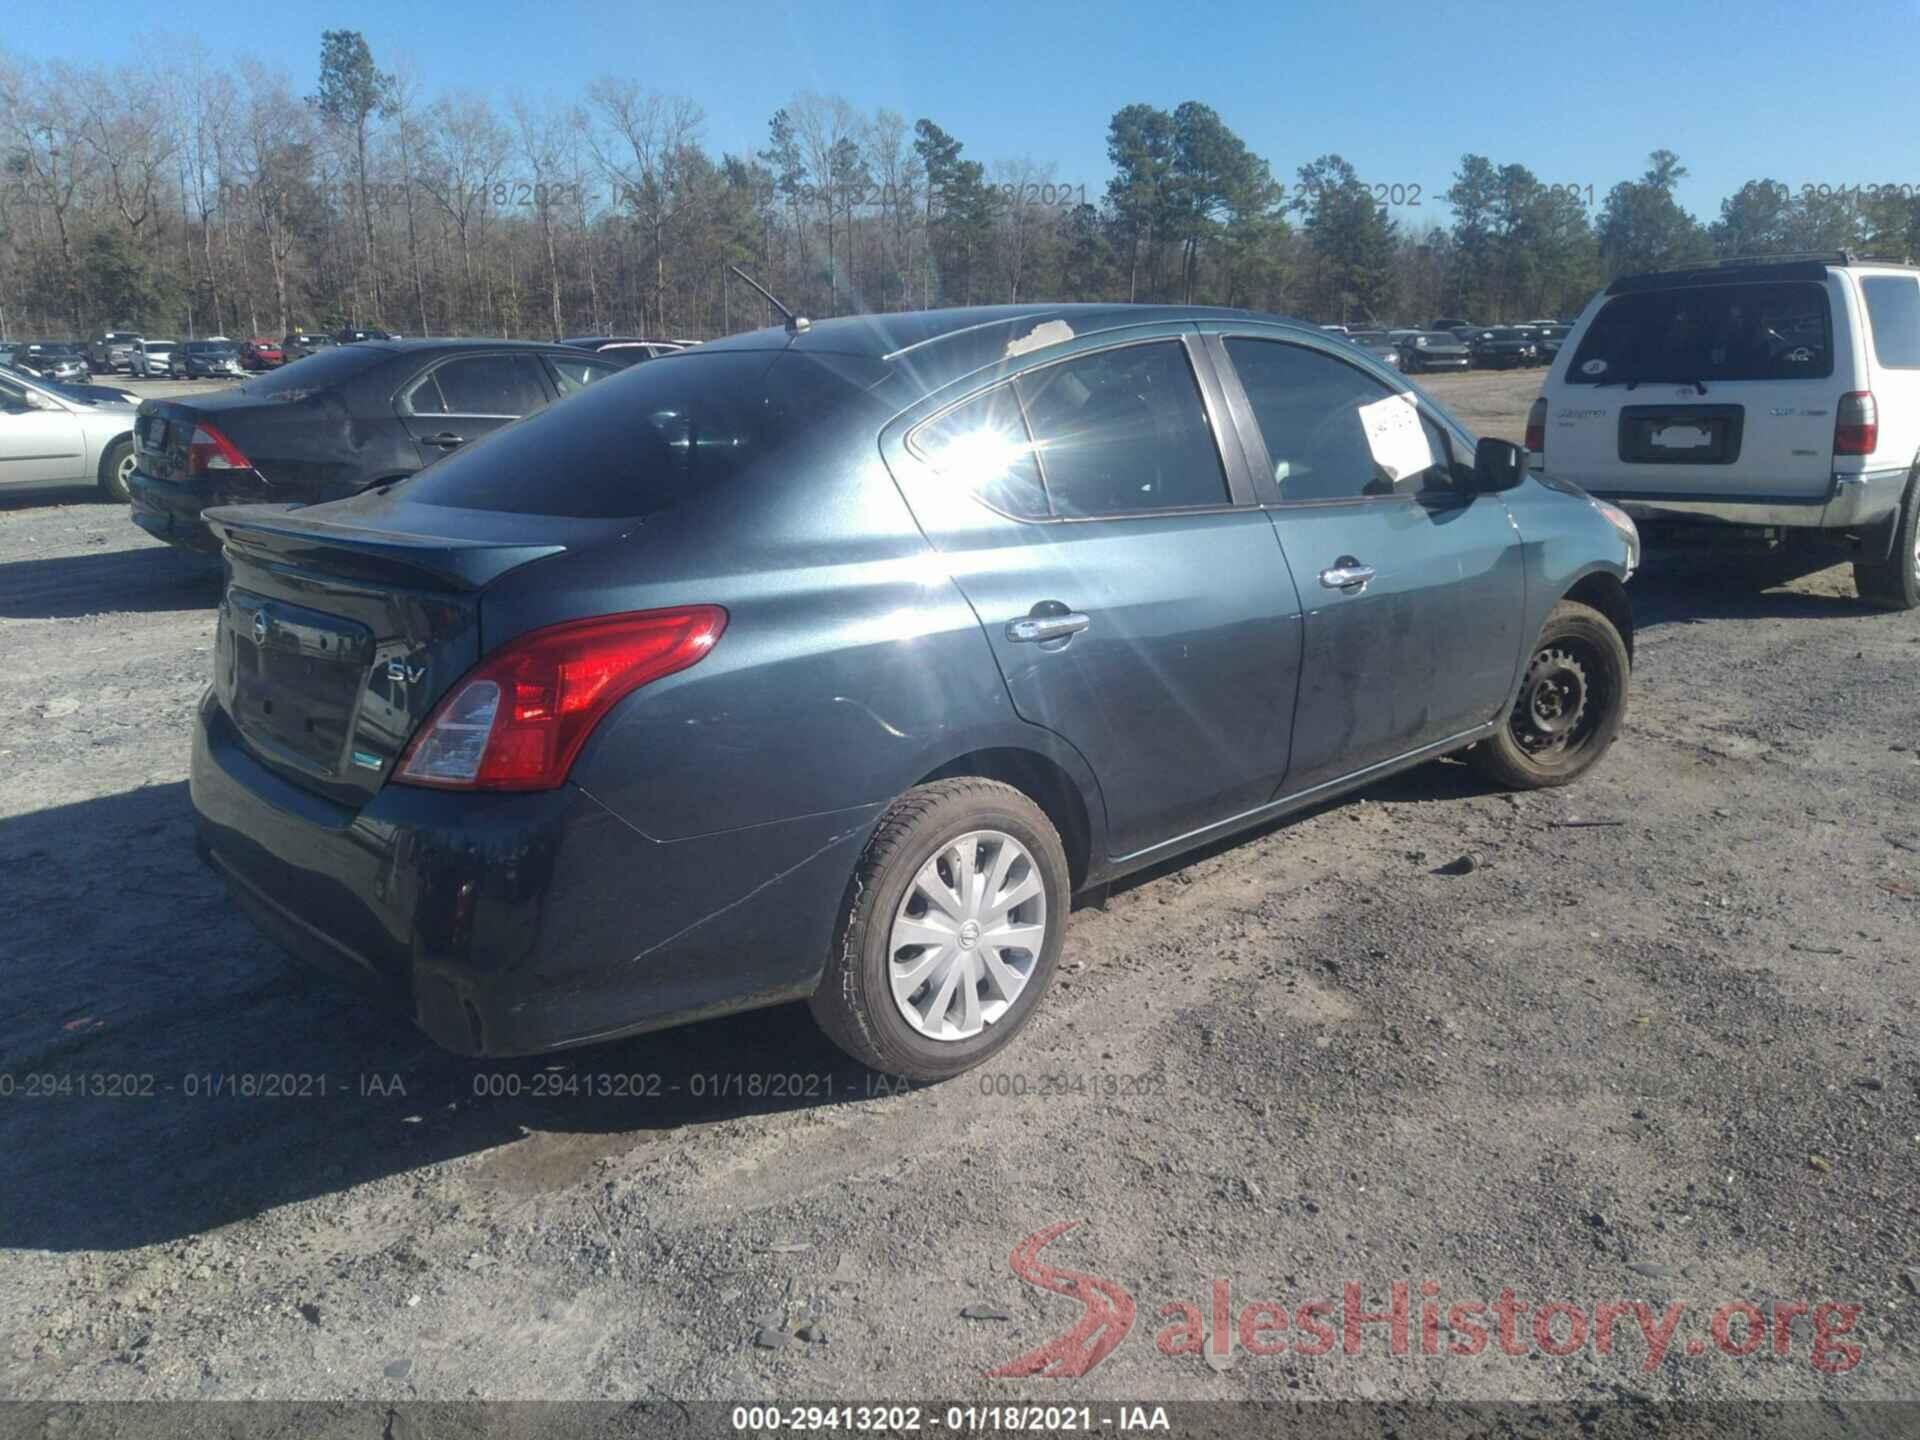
point(115, 468)
point(1572, 701)
point(1895, 584)
point(951, 929)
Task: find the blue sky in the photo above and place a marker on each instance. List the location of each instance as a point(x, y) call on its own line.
point(1580, 93)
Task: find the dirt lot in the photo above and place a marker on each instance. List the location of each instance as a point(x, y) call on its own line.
point(1667, 1056)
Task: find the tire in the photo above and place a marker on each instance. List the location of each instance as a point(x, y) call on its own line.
point(1895, 584)
point(1579, 664)
point(115, 466)
point(855, 1003)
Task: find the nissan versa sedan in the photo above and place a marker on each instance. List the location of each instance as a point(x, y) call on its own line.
point(828, 663)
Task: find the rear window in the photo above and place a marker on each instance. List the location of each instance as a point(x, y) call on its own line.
point(315, 372)
point(1781, 331)
point(1893, 309)
point(650, 437)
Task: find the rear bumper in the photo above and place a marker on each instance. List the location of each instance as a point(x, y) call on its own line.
point(171, 512)
point(1851, 502)
point(508, 924)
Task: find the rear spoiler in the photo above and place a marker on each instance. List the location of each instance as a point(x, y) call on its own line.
point(286, 535)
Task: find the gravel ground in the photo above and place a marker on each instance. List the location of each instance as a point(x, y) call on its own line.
point(1432, 1033)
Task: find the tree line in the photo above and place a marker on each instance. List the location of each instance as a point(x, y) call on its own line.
point(224, 198)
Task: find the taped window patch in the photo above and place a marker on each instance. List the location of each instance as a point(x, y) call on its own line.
point(1396, 437)
point(1048, 332)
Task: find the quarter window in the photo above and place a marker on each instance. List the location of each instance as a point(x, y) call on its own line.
point(1309, 409)
point(504, 385)
point(570, 375)
point(1123, 430)
point(1893, 309)
point(984, 446)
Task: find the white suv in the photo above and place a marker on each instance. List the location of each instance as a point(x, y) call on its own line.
point(1777, 394)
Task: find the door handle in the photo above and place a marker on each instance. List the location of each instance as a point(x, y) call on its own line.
point(1347, 574)
point(446, 440)
point(1047, 627)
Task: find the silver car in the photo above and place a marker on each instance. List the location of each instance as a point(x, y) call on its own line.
point(153, 357)
point(47, 438)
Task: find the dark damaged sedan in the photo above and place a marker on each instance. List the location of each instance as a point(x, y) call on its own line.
point(829, 664)
point(335, 423)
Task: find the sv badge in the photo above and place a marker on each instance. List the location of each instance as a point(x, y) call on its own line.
point(402, 673)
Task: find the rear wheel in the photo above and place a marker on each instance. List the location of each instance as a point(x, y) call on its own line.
point(952, 927)
point(1571, 703)
point(1895, 585)
point(115, 467)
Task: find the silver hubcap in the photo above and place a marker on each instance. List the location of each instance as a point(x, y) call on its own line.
point(124, 469)
point(967, 936)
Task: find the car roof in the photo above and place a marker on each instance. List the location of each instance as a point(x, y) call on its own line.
point(934, 347)
point(418, 346)
point(1750, 269)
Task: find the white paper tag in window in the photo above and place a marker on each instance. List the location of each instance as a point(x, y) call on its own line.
point(1396, 437)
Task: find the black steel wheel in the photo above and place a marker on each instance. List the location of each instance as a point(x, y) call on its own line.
point(1572, 700)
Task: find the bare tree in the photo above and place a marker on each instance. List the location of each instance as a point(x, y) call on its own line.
point(542, 137)
point(642, 141)
point(466, 153)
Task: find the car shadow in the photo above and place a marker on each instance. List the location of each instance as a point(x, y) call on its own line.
point(1442, 780)
point(152, 578)
point(1681, 585)
point(164, 1072)
point(36, 497)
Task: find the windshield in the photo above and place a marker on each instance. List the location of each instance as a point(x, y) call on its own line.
point(1781, 330)
point(651, 437)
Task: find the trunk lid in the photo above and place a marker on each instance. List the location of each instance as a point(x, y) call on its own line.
point(335, 639)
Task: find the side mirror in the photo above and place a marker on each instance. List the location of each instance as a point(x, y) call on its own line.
point(1497, 465)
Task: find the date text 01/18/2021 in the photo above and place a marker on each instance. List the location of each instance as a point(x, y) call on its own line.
point(774, 1419)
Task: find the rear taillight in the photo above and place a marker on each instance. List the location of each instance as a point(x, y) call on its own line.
point(519, 718)
point(210, 450)
point(1537, 425)
point(1856, 424)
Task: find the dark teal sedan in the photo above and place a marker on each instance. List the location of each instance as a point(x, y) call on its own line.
point(829, 662)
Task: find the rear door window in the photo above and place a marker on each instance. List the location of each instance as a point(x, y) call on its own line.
point(1893, 310)
point(1124, 430)
point(1757, 331)
point(499, 386)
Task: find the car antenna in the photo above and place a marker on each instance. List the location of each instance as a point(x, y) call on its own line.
point(798, 324)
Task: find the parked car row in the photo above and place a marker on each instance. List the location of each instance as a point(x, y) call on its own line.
point(1453, 344)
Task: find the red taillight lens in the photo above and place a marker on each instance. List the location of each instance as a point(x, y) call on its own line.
point(1537, 425)
point(1856, 424)
point(519, 718)
point(210, 450)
